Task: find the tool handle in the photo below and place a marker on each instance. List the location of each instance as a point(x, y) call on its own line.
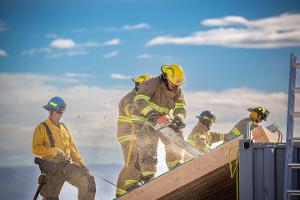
point(41, 184)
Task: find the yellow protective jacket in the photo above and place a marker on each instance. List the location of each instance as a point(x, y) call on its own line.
point(63, 142)
point(202, 139)
point(154, 95)
point(125, 117)
point(238, 128)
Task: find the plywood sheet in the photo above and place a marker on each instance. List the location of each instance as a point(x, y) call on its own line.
point(206, 177)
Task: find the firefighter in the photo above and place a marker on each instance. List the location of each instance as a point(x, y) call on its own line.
point(158, 97)
point(130, 174)
point(200, 137)
point(257, 114)
point(53, 142)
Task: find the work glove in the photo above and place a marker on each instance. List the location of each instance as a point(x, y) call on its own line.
point(60, 156)
point(152, 116)
point(178, 122)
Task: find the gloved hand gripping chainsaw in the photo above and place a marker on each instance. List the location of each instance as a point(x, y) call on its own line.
point(167, 126)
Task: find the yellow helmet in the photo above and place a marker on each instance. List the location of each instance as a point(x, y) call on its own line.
point(142, 78)
point(174, 73)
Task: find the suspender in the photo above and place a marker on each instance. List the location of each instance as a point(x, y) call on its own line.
point(49, 133)
point(50, 136)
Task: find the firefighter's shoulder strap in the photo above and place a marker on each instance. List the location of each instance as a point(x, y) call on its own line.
point(64, 126)
point(50, 136)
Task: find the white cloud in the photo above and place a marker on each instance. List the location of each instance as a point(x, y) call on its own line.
point(76, 75)
point(144, 56)
point(136, 26)
point(60, 53)
point(92, 112)
point(94, 108)
point(111, 54)
point(2, 53)
point(63, 43)
point(128, 27)
point(226, 21)
point(67, 47)
point(273, 32)
point(112, 42)
point(120, 77)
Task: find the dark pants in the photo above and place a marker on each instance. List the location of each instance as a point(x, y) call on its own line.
point(73, 174)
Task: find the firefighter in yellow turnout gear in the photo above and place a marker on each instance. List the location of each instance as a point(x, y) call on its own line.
point(130, 174)
point(52, 141)
point(156, 97)
point(200, 137)
point(257, 114)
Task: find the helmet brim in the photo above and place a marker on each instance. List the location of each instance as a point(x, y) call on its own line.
point(250, 109)
point(46, 107)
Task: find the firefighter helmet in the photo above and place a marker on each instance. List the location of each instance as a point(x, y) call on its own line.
point(260, 111)
point(142, 78)
point(174, 73)
point(57, 104)
point(207, 115)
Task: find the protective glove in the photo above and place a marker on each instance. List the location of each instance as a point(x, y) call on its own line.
point(152, 116)
point(60, 155)
point(179, 122)
point(61, 158)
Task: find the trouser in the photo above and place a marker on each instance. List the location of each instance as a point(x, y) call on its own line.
point(73, 174)
point(147, 139)
point(130, 173)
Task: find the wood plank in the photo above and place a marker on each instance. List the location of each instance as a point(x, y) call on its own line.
point(206, 177)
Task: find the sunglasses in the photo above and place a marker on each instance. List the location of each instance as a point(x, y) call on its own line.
point(59, 112)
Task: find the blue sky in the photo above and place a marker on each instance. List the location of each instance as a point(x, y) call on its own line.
point(29, 25)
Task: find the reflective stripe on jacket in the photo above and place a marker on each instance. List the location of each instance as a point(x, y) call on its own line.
point(202, 139)
point(239, 127)
point(153, 95)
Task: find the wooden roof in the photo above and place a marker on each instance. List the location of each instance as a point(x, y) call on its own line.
point(206, 177)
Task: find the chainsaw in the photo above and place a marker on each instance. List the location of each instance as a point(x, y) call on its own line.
point(165, 126)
